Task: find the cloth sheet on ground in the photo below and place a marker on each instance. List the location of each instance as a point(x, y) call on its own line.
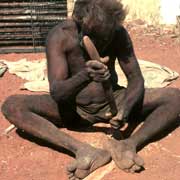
point(35, 73)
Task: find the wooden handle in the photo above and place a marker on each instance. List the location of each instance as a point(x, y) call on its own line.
point(93, 53)
point(91, 49)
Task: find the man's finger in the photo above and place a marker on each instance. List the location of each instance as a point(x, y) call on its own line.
point(114, 124)
point(118, 117)
point(100, 79)
point(104, 76)
point(104, 60)
point(103, 72)
point(95, 64)
point(108, 115)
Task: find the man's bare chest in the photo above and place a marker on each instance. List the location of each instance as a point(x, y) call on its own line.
point(76, 59)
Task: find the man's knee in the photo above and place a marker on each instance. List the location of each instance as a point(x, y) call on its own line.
point(12, 107)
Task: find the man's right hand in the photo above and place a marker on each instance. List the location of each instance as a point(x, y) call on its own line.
point(97, 70)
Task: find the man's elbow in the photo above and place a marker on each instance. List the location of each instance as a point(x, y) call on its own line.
point(136, 79)
point(141, 82)
point(57, 95)
point(54, 95)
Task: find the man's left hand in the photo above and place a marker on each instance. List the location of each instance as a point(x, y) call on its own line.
point(119, 120)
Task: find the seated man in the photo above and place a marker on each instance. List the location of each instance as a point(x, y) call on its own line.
point(77, 97)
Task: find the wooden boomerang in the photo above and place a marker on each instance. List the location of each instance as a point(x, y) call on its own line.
point(93, 53)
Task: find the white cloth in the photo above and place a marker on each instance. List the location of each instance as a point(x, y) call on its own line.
point(35, 73)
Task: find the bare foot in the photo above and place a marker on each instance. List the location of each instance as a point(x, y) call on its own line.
point(87, 160)
point(124, 155)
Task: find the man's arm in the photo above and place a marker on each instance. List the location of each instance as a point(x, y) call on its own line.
point(135, 90)
point(62, 87)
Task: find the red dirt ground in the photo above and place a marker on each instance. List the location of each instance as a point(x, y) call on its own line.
point(21, 159)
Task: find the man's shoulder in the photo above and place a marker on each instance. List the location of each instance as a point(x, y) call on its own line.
point(59, 31)
point(61, 35)
point(123, 42)
point(67, 24)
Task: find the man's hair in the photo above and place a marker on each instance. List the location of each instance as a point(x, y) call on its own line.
point(98, 13)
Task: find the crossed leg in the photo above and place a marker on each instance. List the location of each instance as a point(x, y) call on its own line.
point(39, 116)
point(162, 108)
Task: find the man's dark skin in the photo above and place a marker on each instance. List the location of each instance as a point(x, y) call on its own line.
point(75, 80)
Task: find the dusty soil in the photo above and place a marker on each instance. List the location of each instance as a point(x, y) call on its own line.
point(22, 159)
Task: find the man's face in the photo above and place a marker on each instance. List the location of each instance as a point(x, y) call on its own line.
point(101, 36)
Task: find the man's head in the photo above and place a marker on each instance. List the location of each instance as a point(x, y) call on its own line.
point(98, 18)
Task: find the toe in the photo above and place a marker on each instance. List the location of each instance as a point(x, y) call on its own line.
point(70, 175)
point(73, 178)
point(131, 170)
point(135, 168)
point(83, 168)
point(139, 161)
point(71, 167)
point(126, 170)
point(80, 173)
point(127, 161)
point(125, 164)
